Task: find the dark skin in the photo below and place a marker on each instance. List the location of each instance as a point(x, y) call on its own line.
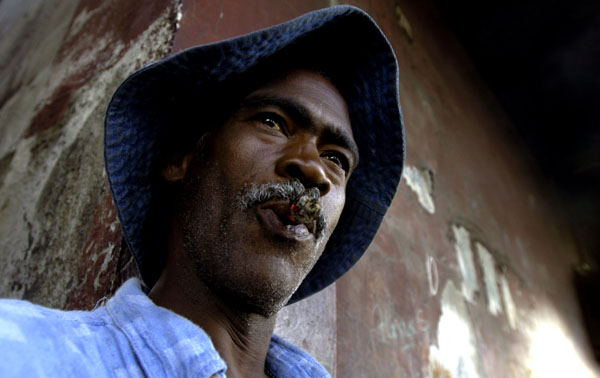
point(230, 271)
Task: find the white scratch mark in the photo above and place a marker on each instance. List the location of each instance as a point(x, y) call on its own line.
point(113, 225)
point(509, 305)
point(462, 246)
point(108, 254)
point(83, 17)
point(89, 248)
point(403, 23)
point(421, 182)
point(432, 275)
point(489, 279)
point(178, 15)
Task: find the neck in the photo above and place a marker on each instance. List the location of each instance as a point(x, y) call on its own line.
point(241, 338)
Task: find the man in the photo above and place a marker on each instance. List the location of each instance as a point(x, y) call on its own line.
point(247, 174)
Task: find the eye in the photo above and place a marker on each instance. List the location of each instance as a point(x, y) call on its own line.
point(338, 159)
point(272, 124)
point(271, 120)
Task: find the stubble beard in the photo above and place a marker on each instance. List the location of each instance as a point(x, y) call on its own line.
point(212, 259)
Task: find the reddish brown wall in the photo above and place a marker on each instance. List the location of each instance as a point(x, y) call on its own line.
point(61, 61)
point(469, 276)
point(400, 318)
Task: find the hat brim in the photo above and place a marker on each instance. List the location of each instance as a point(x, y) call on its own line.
point(344, 37)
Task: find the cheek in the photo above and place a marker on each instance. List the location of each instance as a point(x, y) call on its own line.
point(333, 208)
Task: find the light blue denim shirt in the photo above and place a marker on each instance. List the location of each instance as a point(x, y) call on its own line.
point(127, 337)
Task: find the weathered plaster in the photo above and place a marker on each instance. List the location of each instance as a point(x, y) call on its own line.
point(433, 278)
point(404, 23)
point(456, 349)
point(32, 34)
point(55, 178)
point(489, 279)
point(509, 304)
point(464, 255)
point(421, 182)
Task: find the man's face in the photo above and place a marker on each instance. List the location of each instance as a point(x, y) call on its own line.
point(295, 127)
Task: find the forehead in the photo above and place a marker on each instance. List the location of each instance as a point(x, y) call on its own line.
point(312, 91)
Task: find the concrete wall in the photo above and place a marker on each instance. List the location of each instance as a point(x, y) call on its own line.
point(60, 62)
point(470, 275)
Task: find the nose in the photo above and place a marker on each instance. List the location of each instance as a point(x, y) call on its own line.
point(301, 160)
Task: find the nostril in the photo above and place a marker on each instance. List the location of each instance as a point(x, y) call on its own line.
point(309, 178)
point(294, 171)
point(323, 188)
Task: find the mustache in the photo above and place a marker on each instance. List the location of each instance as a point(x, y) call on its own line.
point(292, 190)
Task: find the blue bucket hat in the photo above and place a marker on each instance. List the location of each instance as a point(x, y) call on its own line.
point(143, 120)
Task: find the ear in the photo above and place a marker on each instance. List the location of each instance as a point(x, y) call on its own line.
point(177, 167)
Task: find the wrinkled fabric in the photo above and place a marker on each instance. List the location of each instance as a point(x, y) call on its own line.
point(129, 336)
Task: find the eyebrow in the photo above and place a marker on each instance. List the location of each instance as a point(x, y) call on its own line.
point(301, 115)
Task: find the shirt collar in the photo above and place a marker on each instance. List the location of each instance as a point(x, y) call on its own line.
point(162, 340)
point(170, 344)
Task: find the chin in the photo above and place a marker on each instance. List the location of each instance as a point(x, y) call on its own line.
point(266, 301)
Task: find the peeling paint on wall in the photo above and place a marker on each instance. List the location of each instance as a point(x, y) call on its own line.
point(509, 304)
point(51, 145)
point(456, 353)
point(178, 15)
point(489, 279)
point(464, 254)
point(421, 182)
point(32, 33)
point(403, 23)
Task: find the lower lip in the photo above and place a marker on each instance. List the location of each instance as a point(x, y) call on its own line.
point(273, 224)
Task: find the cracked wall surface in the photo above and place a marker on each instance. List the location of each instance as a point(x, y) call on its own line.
point(61, 61)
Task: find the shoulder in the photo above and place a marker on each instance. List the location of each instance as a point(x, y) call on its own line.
point(22, 321)
point(35, 340)
point(284, 359)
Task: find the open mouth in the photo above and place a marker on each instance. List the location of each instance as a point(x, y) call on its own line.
point(287, 209)
point(277, 218)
